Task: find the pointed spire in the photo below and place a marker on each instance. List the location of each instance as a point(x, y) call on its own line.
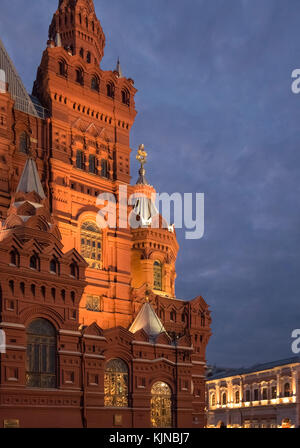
point(148, 320)
point(30, 180)
point(119, 69)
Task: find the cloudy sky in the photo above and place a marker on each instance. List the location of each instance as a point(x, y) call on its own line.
point(218, 116)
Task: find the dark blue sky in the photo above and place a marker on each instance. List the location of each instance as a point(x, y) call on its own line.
point(218, 116)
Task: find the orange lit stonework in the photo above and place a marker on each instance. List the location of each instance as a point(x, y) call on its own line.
point(80, 143)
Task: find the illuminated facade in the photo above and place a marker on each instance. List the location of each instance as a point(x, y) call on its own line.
point(96, 336)
point(266, 396)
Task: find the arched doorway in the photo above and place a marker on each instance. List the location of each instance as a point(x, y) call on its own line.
point(116, 384)
point(161, 405)
point(286, 423)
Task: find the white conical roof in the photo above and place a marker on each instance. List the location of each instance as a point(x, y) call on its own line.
point(30, 180)
point(148, 320)
point(145, 209)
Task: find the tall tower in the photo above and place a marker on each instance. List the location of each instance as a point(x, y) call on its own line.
point(88, 151)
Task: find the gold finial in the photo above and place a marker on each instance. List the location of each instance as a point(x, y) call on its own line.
point(147, 299)
point(142, 158)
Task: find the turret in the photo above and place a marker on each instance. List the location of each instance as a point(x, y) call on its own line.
point(155, 246)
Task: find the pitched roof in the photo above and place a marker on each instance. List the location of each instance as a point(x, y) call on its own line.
point(226, 373)
point(30, 180)
point(148, 320)
point(15, 84)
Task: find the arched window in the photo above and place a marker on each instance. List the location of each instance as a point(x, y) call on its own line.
point(24, 143)
point(79, 76)
point(287, 390)
point(74, 271)
point(110, 88)
point(22, 288)
point(80, 160)
point(202, 317)
point(161, 405)
point(104, 168)
point(173, 316)
point(92, 164)
point(91, 244)
point(81, 53)
point(33, 289)
point(213, 400)
point(248, 395)
point(95, 83)
point(273, 392)
point(265, 393)
point(88, 57)
point(14, 257)
point(184, 317)
point(54, 266)
point(224, 398)
point(11, 286)
point(33, 263)
point(157, 275)
point(237, 397)
point(116, 384)
point(41, 354)
point(62, 67)
point(125, 97)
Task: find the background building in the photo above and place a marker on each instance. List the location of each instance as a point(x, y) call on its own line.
point(264, 396)
point(95, 334)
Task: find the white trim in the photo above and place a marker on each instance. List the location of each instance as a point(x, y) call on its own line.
point(77, 333)
point(66, 352)
point(9, 324)
point(99, 338)
point(15, 347)
point(178, 347)
point(162, 359)
point(88, 355)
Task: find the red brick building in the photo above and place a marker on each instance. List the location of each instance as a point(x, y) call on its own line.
point(95, 336)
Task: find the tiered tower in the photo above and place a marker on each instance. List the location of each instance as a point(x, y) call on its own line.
point(91, 114)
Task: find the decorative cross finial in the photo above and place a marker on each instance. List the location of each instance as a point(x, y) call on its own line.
point(142, 158)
